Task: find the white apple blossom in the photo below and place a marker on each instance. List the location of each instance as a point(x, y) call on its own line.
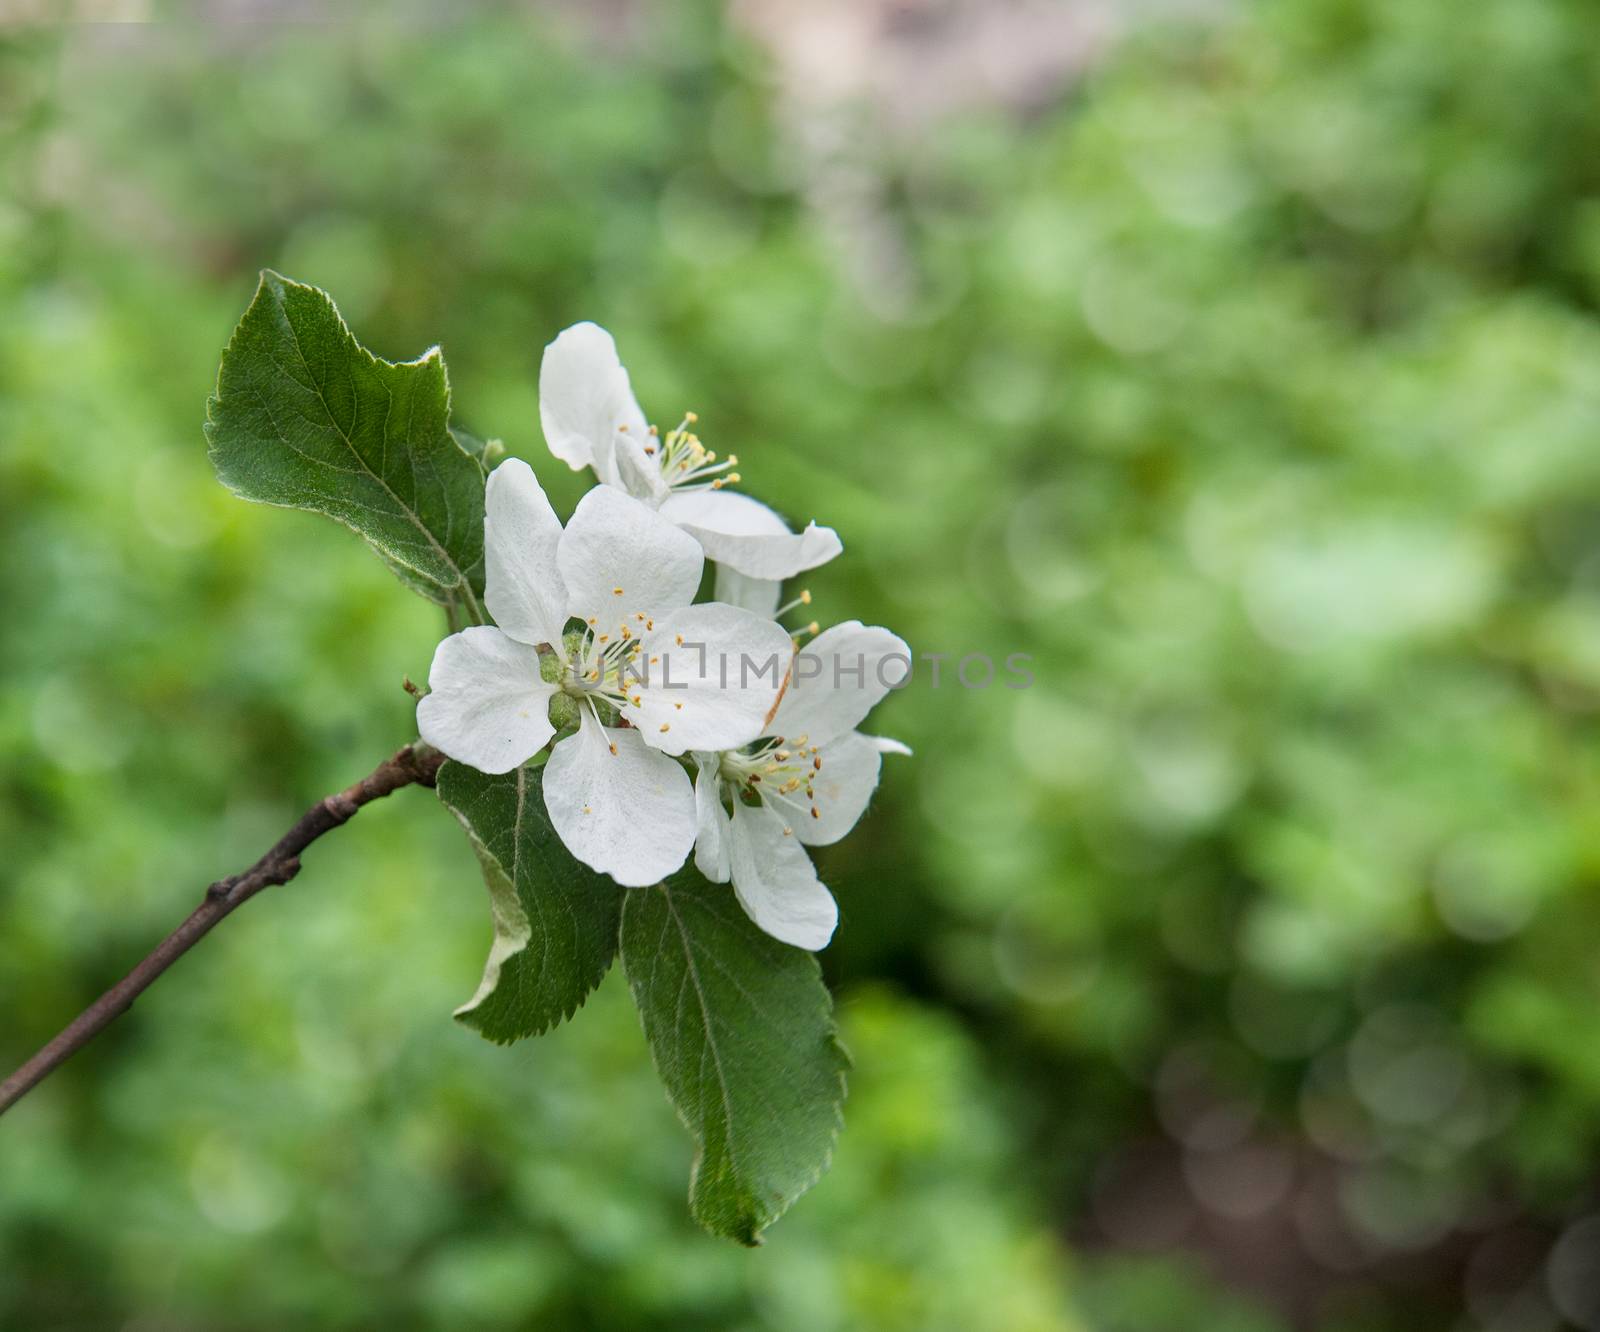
point(809, 779)
point(651, 675)
point(591, 419)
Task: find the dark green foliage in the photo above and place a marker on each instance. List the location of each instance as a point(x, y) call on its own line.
point(555, 920)
point(742, 1032)
point(305, 417)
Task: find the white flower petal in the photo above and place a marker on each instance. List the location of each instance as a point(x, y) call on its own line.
point(837, 679)
point(487, 707)
point(708, 678)
point(839, 791)
point(711, 843)
point(629, 814)
point(775, 882)
point(729, 512)
point(760, 595)
point(887, 746)
point(637, 473)
point(522, 581)
point(618, 558)
point(584, 397)
point(749, 537)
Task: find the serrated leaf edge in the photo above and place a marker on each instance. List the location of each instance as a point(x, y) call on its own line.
point(487, 862)
point(751, 1237)
point(269, 280)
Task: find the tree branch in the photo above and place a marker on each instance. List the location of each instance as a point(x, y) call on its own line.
point(414, 765)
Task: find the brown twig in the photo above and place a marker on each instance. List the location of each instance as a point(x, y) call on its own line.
point(414, 765)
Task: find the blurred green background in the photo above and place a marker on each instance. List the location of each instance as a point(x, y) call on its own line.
point(1239, 362)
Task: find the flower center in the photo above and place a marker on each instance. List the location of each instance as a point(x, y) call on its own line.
point(780, 772)
point(602, 664)
point(686, 464)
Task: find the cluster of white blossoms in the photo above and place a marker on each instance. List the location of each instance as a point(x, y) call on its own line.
point(596, 637)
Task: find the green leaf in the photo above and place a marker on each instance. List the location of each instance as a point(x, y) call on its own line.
point(305, 417)
point(741, 1028)
point(555, 920)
